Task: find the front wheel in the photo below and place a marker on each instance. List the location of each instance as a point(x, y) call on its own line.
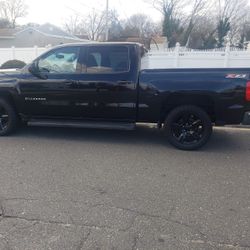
point(8, 118)
point(188, 127)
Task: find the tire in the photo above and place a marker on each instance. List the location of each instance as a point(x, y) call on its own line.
point(8, 118)
point(188, 127)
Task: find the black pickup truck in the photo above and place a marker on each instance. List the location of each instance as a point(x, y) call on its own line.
point(101, 85)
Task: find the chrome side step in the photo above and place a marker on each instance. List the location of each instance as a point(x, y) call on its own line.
point(81, 124)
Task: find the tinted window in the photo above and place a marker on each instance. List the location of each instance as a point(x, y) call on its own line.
point(63, 60)
point(108, 59)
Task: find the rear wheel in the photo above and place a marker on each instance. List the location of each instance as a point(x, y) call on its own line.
point(188, 127)
point(8, 118)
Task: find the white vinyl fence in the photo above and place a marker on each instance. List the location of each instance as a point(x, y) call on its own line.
point(23, 54)
point(179, 57)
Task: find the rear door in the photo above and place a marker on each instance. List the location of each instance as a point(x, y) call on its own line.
point(111, 70)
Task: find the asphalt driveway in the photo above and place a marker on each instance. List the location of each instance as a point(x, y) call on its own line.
point(93, 189)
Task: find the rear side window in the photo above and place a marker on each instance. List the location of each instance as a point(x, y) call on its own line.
point(105, 59)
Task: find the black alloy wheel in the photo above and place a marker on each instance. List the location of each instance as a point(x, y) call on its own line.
point(4, 119)
point(8, 118)
point(188, 127)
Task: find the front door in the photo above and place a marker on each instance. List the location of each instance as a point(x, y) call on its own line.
point(59, 94)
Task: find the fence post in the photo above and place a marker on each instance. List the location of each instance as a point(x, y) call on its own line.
point(227, 55)
point(145, 62)
point(13, 53)
point(36, 51)
point(176, 56)
point(165, 43)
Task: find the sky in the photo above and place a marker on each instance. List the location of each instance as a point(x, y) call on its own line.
point(57, 11)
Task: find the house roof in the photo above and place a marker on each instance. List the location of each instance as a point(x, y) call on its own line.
point(7, 32)
point(157, 39)
point(51, 29)
point(46, 29)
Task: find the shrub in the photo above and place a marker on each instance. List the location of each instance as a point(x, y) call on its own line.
point(13, 64)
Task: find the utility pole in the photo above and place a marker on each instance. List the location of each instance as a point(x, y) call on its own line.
point(107, 21)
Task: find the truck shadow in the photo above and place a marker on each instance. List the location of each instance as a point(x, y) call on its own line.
point(223, 139)
point(228, 140)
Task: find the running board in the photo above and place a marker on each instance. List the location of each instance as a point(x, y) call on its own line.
point(82, 124)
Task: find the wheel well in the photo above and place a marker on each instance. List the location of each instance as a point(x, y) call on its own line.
point(203, 102)
point(7, 96)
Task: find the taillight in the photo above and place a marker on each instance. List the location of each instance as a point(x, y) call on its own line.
point(248, 91)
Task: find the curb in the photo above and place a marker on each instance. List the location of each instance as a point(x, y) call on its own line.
point(238, 126)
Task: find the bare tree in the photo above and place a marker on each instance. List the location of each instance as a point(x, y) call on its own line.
point(4, 23)
point(230, 14)
point(240, 33)
point(231, 9)
point(203, 35)
point(12, 10)
point(141, 26)
point(225, 20)
point(74, 25)
point(116, 29)
point(93, 25)
point(173, 7)
point(179, 24)
point(198, 9)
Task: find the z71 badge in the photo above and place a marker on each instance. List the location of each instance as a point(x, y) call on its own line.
point(236, 76)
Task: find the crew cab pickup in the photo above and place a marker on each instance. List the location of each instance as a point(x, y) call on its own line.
point(101, 85)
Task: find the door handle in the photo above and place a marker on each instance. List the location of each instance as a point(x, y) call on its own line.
point(124, 82)
point(72, 82)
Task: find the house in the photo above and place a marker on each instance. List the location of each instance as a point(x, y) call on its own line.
point(40, 36)
point(152, 43)
point(159, 43)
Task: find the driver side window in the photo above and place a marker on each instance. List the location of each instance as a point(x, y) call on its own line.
point(60, 61)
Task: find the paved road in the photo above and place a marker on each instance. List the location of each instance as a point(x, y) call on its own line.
point(88, 189)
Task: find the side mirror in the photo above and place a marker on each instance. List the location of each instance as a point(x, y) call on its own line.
point(34, 70)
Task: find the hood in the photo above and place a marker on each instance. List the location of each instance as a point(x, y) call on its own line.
point(9, 73)
point(9, 77)
point(3, 71)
